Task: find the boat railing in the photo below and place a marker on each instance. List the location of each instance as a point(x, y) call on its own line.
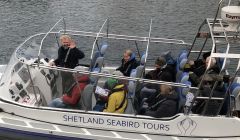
point(96, 39)
point(41, 43)
point(126, 37)
point(216, 32)
point(141, 80)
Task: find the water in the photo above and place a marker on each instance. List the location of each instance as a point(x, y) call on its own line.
point(171, 18)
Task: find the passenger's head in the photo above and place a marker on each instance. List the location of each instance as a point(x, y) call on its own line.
point(213, 62)
point(79, 68)
point(127, 54)
point(166, 89)
point(160, 62)
point(207, 81)
point(65, 40)
point(205, 56)
point(112, 82)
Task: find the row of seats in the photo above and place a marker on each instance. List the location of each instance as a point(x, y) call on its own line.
point(88, 100)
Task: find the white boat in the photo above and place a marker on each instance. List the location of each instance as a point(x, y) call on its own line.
point(28, 84)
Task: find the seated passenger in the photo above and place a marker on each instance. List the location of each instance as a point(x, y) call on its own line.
point(162, 70)
point(213, 69)
point(72, 97)
point(206, 89)
point(161, 67)
point(162, 104)
point(128, 63)
point(117, 101)
point(198, 66)
point(160, 64)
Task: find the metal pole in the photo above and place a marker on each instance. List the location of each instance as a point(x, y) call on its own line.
point(40, 48)
point(202, 47)
point(57, 40)
point(64, 26)
point(226, 93)
point(195, 38)
point(148, 43)
point(215, 18)
point(95, 42)
point(137, 49)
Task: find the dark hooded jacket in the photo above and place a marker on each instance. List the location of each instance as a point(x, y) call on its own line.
point(73, 98)
point(162, 105)
point(127, 67)
point(159, 72)
point(72, 58)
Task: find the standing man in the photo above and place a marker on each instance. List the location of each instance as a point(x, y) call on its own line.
point(68, 53)
point(68, 56)
point(128, 63)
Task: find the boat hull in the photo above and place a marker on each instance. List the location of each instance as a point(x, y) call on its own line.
point(80, 124)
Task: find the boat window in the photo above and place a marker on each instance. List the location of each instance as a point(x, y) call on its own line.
point(17, 66)
point(24, 75)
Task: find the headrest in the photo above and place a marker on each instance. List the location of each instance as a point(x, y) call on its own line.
point(160, 61)
point(168, 57)
point(133, 56)
point(235, 89)
point(131, 86)
point(182, 63)
point(103, 48)
point(97, 70)
point(184, 77)
point(142, 61)
point(182, 55)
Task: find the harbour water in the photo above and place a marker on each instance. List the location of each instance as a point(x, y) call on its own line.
point(171, 18)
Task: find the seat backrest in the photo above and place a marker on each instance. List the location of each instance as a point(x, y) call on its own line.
point(169, 59)
point(182, 77)
point(98, 58)
point(235, 89)
point(86, 97)
point(98, 64)
point(183, 97)
point(140, 69)
point(182, 60)
point(131, 93)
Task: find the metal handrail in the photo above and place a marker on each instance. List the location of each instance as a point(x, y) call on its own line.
point(126, 37)
point(95, 41)
point(110, 75)
point(40, 47)
point(148, 43)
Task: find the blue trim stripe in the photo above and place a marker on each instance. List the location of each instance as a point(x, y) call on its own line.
point(20, 134)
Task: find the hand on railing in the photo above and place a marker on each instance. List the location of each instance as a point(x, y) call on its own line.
point(51, 63)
